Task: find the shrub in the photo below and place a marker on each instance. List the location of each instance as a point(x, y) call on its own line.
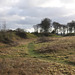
point(43, 39)
point(54, 48)
point(70, 34)
point(21, 33)
point(5, 37)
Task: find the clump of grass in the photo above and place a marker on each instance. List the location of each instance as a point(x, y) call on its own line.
point(52, 49)
point(55, 45)
point(43, 39)
point(6, 37)
point(30, 35)
point(55, 48)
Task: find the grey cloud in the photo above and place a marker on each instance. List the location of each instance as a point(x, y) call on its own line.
point(22, 4)
point(67, 1)
point(29, 21)
point(65, 19)
point(13, 11)
point(32, 12)
point(39, 12)
point(34, 15)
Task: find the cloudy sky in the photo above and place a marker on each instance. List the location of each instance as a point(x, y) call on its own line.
point(26, 13)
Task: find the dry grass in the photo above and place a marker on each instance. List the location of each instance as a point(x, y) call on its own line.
point(29, 66)
point(20, 50)
point(17, 60)
point(57, 44)
point(60, 50)
point(44, 39)
point(56, 48)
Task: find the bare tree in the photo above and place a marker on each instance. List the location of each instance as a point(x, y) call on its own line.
point(4, 26)
point(36, 27)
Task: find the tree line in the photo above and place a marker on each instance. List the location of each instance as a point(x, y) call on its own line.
point(46, 26)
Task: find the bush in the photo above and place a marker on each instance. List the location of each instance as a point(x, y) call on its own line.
point(53, 32)
point(41, 34)
point(70, 34)
point(21, 33)
point(5, 37)
point(43, 39)
point(8, 38)
point(55, 48)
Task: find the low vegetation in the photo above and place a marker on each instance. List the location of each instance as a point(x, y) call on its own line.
point(60, 50)
point(32, 55)
point(11, 37)
point(31, 66)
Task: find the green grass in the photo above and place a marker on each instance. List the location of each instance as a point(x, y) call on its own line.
point(29, 35)
point(12, 52)
point(31, 48)
point(55, 35)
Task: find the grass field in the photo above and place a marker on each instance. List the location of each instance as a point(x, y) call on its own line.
point(54, 56)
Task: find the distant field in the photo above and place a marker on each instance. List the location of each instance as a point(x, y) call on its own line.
point(42, 56)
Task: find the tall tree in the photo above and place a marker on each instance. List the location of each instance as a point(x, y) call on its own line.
point(61, 28)
point(56, 26)
point(71, 26)
point(64, 29)
point(45, 25)
point(67, 27)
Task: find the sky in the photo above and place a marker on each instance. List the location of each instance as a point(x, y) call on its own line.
point(26, 13)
